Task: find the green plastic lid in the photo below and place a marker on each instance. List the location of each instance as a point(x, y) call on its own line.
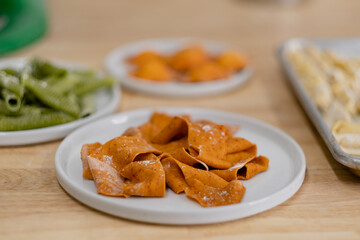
point(21, 22)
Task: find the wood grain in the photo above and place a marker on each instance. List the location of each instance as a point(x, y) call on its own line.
point(34, 206)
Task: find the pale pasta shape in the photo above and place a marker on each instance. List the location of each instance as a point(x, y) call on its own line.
point(333, 83)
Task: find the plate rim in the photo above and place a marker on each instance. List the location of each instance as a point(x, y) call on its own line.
point(286, 192)
point(175, 89)
point(65, 128)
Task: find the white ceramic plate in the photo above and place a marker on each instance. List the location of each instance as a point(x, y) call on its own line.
point(116, 64)
point(266, 190)
point(106, 102)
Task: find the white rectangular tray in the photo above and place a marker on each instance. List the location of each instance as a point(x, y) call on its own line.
point(345, 47)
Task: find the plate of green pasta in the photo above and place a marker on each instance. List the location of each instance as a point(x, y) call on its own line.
point(43, 100)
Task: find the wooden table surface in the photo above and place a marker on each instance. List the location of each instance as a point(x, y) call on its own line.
point(327, 206)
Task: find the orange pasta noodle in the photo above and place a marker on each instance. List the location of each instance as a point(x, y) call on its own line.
point(208, 196)
point(203, 142)
point(207, 142)
point(153, 70)
point(145, 177)
point(259, 164)
point(206, 188)
point(208, 71)
point(241, 156)
point(199, 158)
point(232, 61)
point(121, 151)
point(188, 58)
point(178, 149)
point(115, 155)
point(146, 56)
point(86, 150)
point(157, 122)
point(107, 179)
point(175, 129)
point(160, 132)
point(191, 64)
point(244, 170)
point(243, 152)
point(237, 144)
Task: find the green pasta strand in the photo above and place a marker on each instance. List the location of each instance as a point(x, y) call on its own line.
point(87, 104)
point(30, 98)
point(32, 121)
point(11, 83)
point(66, 84)
point(41, 69)
point(3, 108)
point(12, 72)
point(12, 101)
point(27, 110)
point(24, 109)
point(91, 84)
point(51, 80)
point(51, 98)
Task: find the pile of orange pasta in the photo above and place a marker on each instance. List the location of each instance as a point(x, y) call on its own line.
point(191, 64)
point(199, 158)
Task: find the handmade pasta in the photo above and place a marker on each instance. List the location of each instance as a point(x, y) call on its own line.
point(86, 104)
point(33, 120)
point(333, 84)
point(190, 64)
point(64, 85)
point(51, 98)
point(90, 84)
point(199, 158)
point(42, 94)
point(12, 101)
point(11, 83)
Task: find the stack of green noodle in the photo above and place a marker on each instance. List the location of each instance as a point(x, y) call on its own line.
point(42, 94)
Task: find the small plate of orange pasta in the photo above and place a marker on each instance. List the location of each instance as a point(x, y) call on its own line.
point(179, 67)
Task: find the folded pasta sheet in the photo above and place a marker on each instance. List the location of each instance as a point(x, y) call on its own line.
point(199, 158)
